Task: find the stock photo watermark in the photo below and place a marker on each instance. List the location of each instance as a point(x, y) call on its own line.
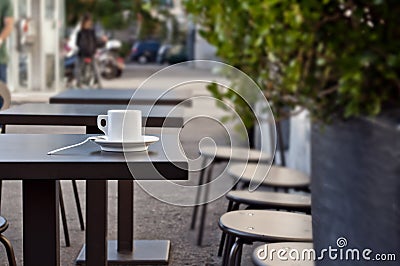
point(340, 252)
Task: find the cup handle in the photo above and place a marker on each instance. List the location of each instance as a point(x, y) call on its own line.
point(100, 118)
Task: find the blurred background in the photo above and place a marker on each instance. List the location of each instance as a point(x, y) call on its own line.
point(330, 70)
point(43, 46)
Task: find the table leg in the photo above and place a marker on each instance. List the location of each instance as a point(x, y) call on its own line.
point(96, 219)
point(125, 216)
point(94, 252)
point(1, 193)
point(3, 131)
point(41, 243)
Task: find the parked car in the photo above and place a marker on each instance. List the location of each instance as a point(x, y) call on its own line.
point(145, 51)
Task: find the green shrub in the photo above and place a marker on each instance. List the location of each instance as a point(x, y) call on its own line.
point(337, 58)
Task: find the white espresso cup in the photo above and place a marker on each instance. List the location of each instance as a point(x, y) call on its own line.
point(121, 125)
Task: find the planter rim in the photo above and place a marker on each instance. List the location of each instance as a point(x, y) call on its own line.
point(387, 119)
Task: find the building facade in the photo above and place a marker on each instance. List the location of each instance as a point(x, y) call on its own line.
point(36, 45)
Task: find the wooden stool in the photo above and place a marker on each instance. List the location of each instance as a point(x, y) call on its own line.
point(6, 242)
point(278, 177)
point(219, 154)
point(265, 200)
point(248, 226)
point(288, 246)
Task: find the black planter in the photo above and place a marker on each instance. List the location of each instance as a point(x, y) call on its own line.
point(356, 186)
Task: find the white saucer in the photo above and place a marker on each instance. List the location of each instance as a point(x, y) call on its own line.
point(128, 146)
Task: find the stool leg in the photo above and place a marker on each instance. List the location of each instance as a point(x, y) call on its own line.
point(234, 252)
point(232, 207)
point(78, 204)
point(9, 250)
point(221, 244)
point(204, 207)
point(230, 239)
point(238, 259)
point(197, 200)
point(223, 236)
point(64, 219)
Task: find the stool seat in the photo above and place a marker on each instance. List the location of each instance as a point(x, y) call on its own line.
point(267, 226)
point(276, 177)
point(270, 199)
point(234, 153)
point(267, 260)
point(3, 224)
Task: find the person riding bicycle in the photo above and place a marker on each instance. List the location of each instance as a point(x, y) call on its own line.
point(87, 44)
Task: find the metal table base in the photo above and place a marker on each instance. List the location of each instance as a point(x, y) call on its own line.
point(126, 250)
point(145, 252)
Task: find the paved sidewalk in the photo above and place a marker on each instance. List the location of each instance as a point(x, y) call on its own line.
point(132, 77)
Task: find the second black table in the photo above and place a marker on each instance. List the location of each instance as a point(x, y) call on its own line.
point(86, 115)
point(123, 96)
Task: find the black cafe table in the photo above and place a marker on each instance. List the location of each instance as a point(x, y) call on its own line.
point(86, 115)
point(24, 157)
point(123, 96)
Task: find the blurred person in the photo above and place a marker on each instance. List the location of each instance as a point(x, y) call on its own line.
point(6, 26)
point(87, 43)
